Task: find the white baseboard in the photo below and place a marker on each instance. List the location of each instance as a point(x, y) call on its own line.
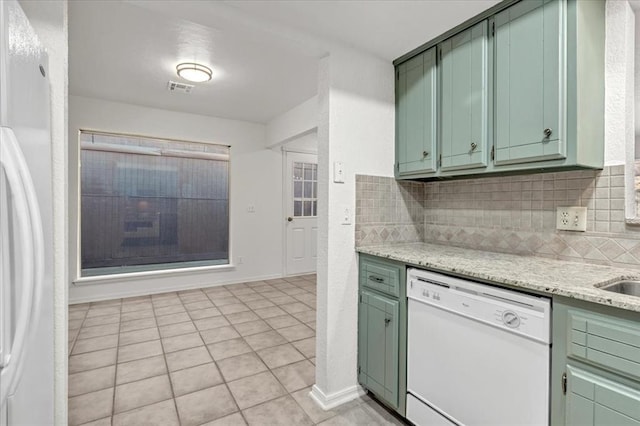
point(328, 402)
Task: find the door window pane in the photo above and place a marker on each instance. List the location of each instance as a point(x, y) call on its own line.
point(305, 177)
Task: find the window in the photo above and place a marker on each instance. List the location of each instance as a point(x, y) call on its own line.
point(305, 189)
point(149, 204)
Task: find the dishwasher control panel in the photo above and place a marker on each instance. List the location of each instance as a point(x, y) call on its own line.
point(524, 314)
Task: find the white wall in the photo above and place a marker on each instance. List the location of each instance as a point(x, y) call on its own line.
point(620, 79)
point(619, 82)
point(49, 19)
point(256, 178)
point(356, 127)
point(307, 143)
point(299, 121)
point(636, 82)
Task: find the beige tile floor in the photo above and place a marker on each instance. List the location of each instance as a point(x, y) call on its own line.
point(231, 355)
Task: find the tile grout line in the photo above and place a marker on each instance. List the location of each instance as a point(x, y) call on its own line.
point(269, 369)
point(287, 391)
point(75, 339)
point(305, 358)
point(215, 362)
point(256, 295)
point(115, 369)
point(164, 357)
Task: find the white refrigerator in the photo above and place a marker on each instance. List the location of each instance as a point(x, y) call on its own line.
point(26, 246)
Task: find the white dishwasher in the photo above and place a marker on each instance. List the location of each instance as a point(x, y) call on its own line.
point(477, 355)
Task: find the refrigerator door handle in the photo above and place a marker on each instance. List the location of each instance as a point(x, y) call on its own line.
point(30, 235)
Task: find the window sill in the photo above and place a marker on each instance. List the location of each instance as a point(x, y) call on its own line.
point(131, 276)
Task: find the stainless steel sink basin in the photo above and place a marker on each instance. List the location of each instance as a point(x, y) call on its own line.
point(631, 288)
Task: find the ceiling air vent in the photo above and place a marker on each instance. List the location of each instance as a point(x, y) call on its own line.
point(174, 86)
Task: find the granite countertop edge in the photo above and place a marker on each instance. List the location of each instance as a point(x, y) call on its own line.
point(575, 280)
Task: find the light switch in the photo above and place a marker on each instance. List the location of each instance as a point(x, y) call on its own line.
point(346, 217)
point(338, 172)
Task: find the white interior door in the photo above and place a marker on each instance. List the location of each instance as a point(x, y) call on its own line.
point(301, 206)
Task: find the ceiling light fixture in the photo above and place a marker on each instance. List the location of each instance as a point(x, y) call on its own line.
point(194, 72)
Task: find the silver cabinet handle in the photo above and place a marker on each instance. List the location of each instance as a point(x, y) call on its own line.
point(387, 321)
point(376, 279)
point(425, 153)
point(547, 132)
point(473, 146)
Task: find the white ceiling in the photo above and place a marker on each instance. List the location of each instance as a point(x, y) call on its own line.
point(385, 28)
point(264, 53)
point(122, 52)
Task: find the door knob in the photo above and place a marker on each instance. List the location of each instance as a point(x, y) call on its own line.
point(547, 132)
point(289, 219)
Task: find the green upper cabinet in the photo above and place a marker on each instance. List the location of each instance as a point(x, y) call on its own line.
point(416, 114)
point(518, 88)
point(528, 82)
point(464, 105)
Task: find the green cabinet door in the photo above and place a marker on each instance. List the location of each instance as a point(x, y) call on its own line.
point(593, 400)
point(378, 345)
point(528, 78)
point(416, 112)
point(464, 99)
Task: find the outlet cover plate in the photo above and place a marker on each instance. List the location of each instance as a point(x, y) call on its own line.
point(571, 219)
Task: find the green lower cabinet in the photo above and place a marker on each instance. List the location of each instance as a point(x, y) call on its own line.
point(379, 342)
point(382, 330)
point(593, 400)
point(595, 364)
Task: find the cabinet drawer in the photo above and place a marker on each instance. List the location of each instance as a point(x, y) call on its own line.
point(606, 342)
point(594, 400)
point(380, 276)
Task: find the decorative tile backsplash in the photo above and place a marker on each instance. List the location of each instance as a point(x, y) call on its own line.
point(388, 211)
point(513, 214)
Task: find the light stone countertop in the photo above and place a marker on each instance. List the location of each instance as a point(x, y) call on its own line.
point(570, 279)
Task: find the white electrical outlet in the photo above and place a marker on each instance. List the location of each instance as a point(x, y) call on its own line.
point(571, 219)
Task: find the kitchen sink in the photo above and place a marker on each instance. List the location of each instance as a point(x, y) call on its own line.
point(631, 288)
